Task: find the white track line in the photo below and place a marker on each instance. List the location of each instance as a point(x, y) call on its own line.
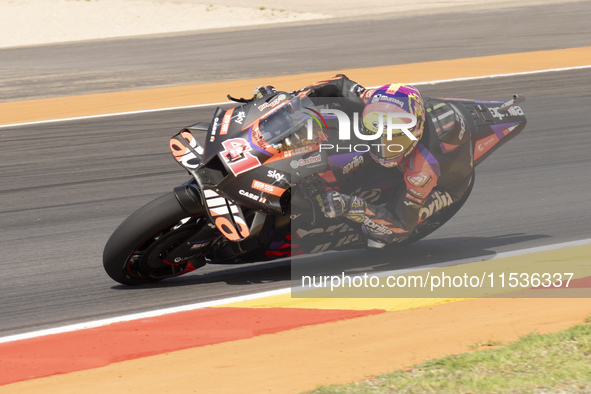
point(230, 102)
point(225, 301)
point(142, 315)
point(502, 75)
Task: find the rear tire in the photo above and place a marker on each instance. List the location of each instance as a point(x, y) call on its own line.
point(133, 253)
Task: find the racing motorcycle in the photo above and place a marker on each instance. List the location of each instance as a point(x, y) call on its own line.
point(253, 178)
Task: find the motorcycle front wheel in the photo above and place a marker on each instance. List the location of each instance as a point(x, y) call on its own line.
point(136, 251)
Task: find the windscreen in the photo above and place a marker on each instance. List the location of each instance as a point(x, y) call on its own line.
point(290, 125)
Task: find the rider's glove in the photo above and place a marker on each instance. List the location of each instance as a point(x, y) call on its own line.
point(334, 204)
point(263, 91)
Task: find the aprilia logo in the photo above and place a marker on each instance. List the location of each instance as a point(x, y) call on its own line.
point(439, 202)
point(513, 111)
point(357, 160)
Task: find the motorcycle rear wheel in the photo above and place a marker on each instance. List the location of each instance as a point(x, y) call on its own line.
point(134, 254)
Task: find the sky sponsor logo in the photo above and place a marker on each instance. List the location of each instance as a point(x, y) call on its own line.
point(239, 117)
point(275, 175)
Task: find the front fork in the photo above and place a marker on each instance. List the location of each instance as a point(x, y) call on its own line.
point(209, 239)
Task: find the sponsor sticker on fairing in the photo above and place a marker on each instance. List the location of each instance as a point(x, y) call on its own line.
point(267, 188)
point(273, 103)
point(513, 111)
point(252, 196)
point(226, 122)
point(300, 150)
point(214, 129)
point(304, 162)
point(239, 117)
point(275, 175)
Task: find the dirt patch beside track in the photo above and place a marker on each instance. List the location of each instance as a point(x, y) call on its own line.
point(339, 352)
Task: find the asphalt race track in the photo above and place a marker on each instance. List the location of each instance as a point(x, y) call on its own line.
point(65, 186)
point(123, 64)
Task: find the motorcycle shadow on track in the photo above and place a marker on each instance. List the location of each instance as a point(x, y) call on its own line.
point(421, 253)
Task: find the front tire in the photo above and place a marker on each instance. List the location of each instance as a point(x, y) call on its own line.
point(134, 253)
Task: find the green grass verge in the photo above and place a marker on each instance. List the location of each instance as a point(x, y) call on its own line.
point(551, 363)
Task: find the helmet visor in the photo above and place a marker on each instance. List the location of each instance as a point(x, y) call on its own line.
point(396, 146)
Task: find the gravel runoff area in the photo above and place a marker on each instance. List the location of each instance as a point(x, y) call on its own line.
point(36, 22)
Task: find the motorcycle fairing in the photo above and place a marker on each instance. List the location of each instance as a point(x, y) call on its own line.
point(484, 145)
point(235, 122)
point(227, 216)
point(228, 169)
point(494, 128)
point(260, 189)
point(251, 167)
point(490, 126)
point(186, 150)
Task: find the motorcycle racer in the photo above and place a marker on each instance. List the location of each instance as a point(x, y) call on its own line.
point(269, 165)
point(439, 160)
